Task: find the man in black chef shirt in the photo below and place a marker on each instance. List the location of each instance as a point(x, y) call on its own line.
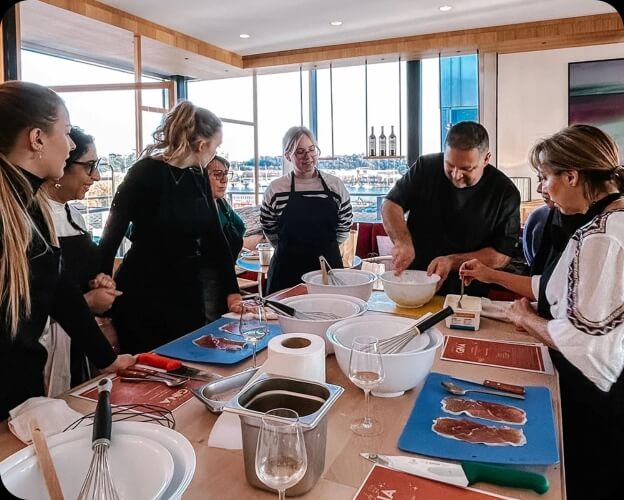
point(459, 208)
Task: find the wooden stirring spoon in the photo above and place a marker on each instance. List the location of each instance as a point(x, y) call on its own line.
point(45, 461)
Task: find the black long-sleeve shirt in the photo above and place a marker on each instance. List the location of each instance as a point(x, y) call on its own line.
point(22, 357)
point(175, 234)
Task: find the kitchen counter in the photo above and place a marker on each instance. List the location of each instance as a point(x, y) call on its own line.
point(220, 473)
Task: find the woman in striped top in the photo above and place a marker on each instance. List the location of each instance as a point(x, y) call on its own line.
point(304, 214)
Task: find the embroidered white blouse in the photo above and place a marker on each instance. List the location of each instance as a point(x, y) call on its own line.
point(586, 297)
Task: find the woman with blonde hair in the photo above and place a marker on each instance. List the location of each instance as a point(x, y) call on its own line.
point(176, 236)
point(580, 309)
point(304, 214)
point(34, 144)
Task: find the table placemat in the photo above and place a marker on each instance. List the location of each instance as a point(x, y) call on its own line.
point(380, 302)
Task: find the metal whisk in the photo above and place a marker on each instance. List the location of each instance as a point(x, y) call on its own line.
point(98, 484)
point(398, 342)
point(331, 274)
point(286, 310)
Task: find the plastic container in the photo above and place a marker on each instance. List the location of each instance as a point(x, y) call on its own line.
point(357, 283)
point(467, 317)
point(311, 400)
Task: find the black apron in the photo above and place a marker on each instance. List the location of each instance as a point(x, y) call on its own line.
point(81, 263)
point(306, 229)
point(593, 430)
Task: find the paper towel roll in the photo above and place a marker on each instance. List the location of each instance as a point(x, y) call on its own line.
point(297, 355)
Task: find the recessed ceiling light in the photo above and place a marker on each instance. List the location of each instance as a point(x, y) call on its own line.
point(446, 8)
point(336, 23)
point(244, 35)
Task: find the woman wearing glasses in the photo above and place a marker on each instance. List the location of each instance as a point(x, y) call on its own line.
point(176, 237)
point(80, 258)
point(304, 214)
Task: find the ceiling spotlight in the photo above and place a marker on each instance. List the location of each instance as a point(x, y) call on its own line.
point(446, 8)
point(336, 23)
point(244, 35)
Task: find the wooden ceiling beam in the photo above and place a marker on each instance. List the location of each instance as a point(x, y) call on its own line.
point(522, 37)
point(115, 17)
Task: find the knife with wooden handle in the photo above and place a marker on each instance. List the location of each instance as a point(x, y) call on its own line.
point(499, 386)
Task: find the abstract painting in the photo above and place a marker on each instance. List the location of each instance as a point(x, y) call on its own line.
point(596, 96)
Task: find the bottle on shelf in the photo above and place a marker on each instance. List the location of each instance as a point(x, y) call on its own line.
point(382, 142)
point(372, 143)
point(392, 150)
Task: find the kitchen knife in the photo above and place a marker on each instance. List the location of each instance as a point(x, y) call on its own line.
point(175, 367)
point(500, 386)
point(464, 474)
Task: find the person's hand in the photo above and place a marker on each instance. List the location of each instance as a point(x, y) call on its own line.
point(102, 281)
point(403, 255)
point(234, 303)
point(441, 266)
point(518, 311)
point(100, 300)
point(122, 362)
point(475, 270)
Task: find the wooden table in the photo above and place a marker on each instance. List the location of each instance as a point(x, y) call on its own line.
point(220, 473)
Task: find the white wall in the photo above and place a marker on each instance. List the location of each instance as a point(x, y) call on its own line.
point(533, 100)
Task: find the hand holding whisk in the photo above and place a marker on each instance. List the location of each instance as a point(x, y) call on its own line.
point(98, 483)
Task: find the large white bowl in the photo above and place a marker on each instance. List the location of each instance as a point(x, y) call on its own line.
point(358, 283)
point(343, 306)
point(410, 288)
point(404, 370)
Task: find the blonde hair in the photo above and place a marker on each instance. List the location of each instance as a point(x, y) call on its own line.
point(182, 126)
point(23, 105)
point(292, 137)
point(585, 149)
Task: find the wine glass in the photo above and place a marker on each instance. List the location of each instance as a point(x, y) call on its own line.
point(253, 325)
point(281, 458)
point(366, 371)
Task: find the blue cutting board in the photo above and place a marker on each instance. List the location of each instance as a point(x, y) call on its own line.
point(184, 349)
point(539, 430)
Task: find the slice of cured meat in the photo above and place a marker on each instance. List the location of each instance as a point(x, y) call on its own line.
point(213, 342)
point(471, 432)
point(484, 409)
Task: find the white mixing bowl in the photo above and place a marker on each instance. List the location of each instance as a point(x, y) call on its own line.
point(358, 283)
point(342, 306)
point(410, 288)
point(404, 370)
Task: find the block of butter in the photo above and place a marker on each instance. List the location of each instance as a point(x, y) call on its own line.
point(466, 317)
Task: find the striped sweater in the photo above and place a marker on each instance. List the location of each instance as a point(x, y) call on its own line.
point(277, 194)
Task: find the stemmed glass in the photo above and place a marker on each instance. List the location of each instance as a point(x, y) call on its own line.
point(281, 458)
point(366, 371)
point(253, 325)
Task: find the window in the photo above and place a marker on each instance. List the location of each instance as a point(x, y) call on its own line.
point(228, 98)
point(459, 91)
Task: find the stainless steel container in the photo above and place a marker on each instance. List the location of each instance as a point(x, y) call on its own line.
point(310, 400)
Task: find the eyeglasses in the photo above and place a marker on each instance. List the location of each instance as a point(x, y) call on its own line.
point(222, 175)
point(312, 151)
point(90, 166)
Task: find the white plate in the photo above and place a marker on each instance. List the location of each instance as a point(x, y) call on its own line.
point(176, 444)
point(139, 467)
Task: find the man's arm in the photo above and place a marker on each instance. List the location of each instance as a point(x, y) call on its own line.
point(443, 265)
point(403, 253)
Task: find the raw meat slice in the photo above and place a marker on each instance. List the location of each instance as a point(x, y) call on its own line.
point(484, 409)
point(213, 342)
point(471, 432)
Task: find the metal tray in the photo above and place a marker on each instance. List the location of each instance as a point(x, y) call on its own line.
point(216, 394)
